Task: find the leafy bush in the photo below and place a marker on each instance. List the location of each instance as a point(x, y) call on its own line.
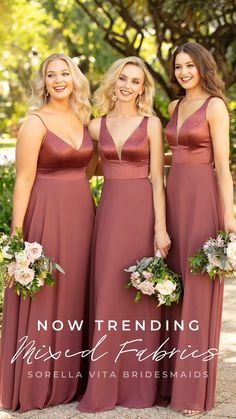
point(7, 178)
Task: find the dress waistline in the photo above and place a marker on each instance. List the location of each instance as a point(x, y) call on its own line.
point(123, 170)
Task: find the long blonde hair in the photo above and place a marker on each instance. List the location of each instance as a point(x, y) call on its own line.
point(103, 95)
point(79, 97)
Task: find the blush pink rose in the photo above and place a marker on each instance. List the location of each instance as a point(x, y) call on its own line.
point(33, 251)
point(24, 276)
point(147, 288)
point(147, 275)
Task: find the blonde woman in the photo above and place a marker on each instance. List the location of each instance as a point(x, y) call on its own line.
point(53, 205)
point(130, 224)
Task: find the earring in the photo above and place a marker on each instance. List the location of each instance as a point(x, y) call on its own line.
point(139, 100)
point(114, 97)
point(46, 93)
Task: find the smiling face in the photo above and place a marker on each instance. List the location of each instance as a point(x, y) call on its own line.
point(130, 83)
point(186, 72)
point(58, 79)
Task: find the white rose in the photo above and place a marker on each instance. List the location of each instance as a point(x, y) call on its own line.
point(5, 253)
point(146, 288)
point(166, 287)
point(161, 300)
point(33, 251)
point(231, 252)
point(232, 237)
point(21, 260)
point(24, 276)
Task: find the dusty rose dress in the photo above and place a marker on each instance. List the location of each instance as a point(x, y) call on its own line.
point(124, 232)
point(193, 215)
point(60, 216)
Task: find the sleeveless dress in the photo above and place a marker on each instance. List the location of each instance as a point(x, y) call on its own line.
point(60, 216)
point(193, 215)
point(124, 232)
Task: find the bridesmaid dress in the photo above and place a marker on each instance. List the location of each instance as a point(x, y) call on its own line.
point(193, 215)
point(124, 232)
point(60, 216)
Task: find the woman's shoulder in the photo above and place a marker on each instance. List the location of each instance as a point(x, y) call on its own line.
point(172, 105)
point(216, 108)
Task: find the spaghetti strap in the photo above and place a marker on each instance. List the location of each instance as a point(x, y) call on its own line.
point(39, 118)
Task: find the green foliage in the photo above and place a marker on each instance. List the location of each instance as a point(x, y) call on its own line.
point(7, 178)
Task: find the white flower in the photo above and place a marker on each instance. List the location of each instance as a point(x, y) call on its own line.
point(24, 276)
point(40, 282)
point(232, 237)
point(147, 288)
point(22, 260)
point(231, 251)
point(166, 287)
point(5, 253)
point(33, 251)
point(161, 300)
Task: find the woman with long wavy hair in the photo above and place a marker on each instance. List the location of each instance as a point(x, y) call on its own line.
point(53, 205)
point(199, 203)
point(130, 224)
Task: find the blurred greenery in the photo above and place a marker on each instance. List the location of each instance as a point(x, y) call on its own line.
point(97, 32)
point(7, 177)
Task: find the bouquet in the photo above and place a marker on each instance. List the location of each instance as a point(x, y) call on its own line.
point(24, 265)
point(216, 257)
point(151, 276)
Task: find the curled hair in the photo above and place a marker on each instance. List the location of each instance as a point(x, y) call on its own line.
point(206, 66)
point(103, 95)
point(79, 98)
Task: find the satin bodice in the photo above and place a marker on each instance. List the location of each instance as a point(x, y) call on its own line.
point(57, 155)
point(134, 162)
point(192, 144)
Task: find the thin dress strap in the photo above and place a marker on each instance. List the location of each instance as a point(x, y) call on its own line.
point(39, 118)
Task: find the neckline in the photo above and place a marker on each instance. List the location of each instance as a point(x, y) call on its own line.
point(127, 139)
point(65, 142)
point(177, 114)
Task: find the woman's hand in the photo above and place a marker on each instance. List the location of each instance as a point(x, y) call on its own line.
point(230, 225)
point(162, 243)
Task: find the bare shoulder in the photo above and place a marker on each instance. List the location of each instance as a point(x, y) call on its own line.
point(154, 123)
point(216, 109)
point(32, 124)
point(172, 105)
point(94, 128)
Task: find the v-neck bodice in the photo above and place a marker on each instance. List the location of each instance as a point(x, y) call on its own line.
point(192, 143)
point(134, 161)
point(56, 154)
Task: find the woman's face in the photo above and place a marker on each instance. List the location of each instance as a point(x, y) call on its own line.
point(186, 72)
point(130, 83)
point(58, 79)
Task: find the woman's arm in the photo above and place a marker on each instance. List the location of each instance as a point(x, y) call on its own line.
point(94, 168)
point(162, 240)
point(28, 145)
point(218, 118)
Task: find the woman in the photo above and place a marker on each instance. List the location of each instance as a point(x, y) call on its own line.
point(53, 205)
point(198, 137)
point(130, 224)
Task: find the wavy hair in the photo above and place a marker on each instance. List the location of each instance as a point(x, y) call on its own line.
point(103, 95)
point(206, 66)
point(79, 98)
